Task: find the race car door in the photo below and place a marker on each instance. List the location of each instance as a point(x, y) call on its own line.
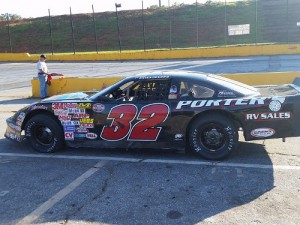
point(138, 113)
point(182, 91)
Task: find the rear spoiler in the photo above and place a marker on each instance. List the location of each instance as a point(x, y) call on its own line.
point(296, 83)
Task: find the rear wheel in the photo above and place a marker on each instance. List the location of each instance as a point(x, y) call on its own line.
point(213, 136)
point(44, 134)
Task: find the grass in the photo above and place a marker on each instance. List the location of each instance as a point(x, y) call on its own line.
point(33, 35)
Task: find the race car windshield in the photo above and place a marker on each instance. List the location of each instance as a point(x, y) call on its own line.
point(109, 89)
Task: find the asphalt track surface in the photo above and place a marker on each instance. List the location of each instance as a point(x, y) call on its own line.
point(258, 184)
point(18, 75)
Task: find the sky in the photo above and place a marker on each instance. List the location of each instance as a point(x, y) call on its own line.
point(39, 8)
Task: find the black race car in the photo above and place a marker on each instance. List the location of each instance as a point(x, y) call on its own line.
point(176, 110)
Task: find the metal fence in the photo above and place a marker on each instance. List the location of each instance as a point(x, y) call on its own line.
point(175, 25)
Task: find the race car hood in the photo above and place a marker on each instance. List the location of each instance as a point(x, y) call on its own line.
point(71, 96)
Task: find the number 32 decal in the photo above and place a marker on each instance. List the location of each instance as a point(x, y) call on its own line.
point(145, 129)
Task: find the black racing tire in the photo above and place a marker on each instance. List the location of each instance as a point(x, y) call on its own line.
point(44, 134)
point(213, 136)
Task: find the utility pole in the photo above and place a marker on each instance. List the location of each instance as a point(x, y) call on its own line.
point(72, 28)
point(8, 31)
point(170, 25)
point(197, 23)
point(95, 32)
point(118, 26)
point(143, 25)
point(50, 30)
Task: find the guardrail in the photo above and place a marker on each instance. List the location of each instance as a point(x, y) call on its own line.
point(73, 84)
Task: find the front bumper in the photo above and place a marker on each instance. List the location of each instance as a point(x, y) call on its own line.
point(13, 131)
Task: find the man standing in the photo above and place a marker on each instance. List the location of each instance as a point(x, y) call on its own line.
point(42, 75)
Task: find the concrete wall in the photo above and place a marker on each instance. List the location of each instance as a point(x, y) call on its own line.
point(14, 57)
point(69, 84)
point(249, 50)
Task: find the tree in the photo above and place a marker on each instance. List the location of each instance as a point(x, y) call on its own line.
point(3, 17)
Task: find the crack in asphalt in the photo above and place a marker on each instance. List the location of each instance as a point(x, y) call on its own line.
point(283, 154)
point(110, 172)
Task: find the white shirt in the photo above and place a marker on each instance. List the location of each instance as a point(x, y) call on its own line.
point(42, 66)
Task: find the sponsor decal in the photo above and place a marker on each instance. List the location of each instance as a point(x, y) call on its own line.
point(79, 135)
point(69, 128)
point(69, 136)
point(226, 94)
point(228, 102)
point(262, 132)
point(86, 120)
point(38, 107)
point(10, 130)
point(63, 105)
point(173, 89)
point(178, 137)
point(20, 119)
point(15, 127)
point(81, 130)
point(91, 136)
point(80, 115)
point(172, 96)
point(12, 136)
point(19, 123)
point(86, 125)
point(75, 110)
point(98, 107)
point(275, 106)
point(84, 105)
point(60, 112)
point(70, 123)
point(269, 116)
point(154, 77)
point(64, 118)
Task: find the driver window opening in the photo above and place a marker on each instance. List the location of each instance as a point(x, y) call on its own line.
point(142, 90)
point(196, 91)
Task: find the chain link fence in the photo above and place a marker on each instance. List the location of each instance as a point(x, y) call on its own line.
point(169, 26)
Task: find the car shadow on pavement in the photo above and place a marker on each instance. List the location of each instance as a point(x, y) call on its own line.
point(169, 190)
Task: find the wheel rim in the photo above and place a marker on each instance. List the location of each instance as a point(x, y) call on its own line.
point(213, 137)
point(43, 135)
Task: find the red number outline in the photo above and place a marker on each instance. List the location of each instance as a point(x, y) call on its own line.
point(108, 131)
point(145, 129)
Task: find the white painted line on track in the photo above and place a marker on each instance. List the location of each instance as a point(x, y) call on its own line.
point(189, 67)
point(60, 195)
point(50, 156)
point(168, 161)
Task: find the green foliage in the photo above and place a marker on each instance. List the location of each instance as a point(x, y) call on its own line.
point(176, 26)
point(4, 17)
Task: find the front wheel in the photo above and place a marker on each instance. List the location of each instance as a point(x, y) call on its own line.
point(213, 136)
point(44, 134)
